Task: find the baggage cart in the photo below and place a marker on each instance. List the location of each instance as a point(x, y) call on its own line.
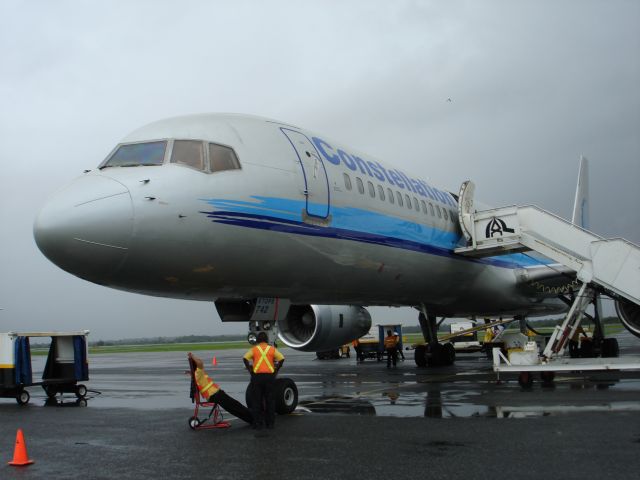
point(66, 364)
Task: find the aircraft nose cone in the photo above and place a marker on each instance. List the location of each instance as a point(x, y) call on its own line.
point(86, 227)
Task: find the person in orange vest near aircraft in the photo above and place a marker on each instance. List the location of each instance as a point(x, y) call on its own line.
point(212, 392)
point(263, 362)
point(390, 345)
point(358, 350)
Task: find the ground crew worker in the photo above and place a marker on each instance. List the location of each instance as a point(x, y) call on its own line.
point(263, 362)
point(390, 345)
point(211, 392)
point(358, 350)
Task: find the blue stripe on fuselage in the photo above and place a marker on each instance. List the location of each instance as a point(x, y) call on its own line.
point(348, 223)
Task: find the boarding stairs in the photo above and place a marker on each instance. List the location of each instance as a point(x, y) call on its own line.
point(613, 264)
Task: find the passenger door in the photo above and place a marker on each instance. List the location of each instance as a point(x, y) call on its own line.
point(316, 183)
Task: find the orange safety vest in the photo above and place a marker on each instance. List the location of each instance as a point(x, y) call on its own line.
point(263, 358)
point(390, 341)
point(207, 387)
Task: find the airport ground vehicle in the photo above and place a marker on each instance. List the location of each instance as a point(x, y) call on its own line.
point(66, 364)
point(335, 353)
point(467, 342)
point(372, 346)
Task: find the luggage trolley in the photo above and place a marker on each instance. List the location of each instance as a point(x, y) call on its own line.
point(66, 364)
point(195, 423)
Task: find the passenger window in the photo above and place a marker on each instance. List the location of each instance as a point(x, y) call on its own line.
point(415, 204)
point(372, 190)
point(433, 213)
point(137, 154)
point(438, 210)
point(408, 200)
point(445, 213)
point(222, 158)
point(391, 199)
point(399, 197)
point(347, 181)
point(381, 192)
point(188, 152)
point(424, 206)
point(360, 185)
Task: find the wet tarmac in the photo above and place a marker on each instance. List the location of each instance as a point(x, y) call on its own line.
point(446, 422)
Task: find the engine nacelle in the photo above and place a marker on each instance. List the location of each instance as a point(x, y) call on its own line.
point(312, 328)
point(629, 315)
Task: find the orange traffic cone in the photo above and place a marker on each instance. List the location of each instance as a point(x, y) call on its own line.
point(214, 361)
point(20, 457)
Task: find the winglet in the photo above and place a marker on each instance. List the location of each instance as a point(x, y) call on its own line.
point(580, 215)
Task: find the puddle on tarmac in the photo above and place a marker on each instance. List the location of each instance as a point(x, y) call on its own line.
point(513, 402)
point(434, 408)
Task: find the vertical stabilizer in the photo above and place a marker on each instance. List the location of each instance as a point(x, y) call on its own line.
point(580, 215)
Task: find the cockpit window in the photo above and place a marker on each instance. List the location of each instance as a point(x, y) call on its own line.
point(137, 154)
point(222, 158)
point(188, 152)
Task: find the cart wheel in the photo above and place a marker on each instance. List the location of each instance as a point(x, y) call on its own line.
point(49, 390)
point(23, 397)
point(194, 423)
point(81, 391)
point(525, 379)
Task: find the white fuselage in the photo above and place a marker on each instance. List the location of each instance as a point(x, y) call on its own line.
point(284, 224)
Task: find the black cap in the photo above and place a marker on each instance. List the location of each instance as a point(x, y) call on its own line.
point(262, 337)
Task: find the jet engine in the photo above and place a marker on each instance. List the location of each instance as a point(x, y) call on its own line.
point(312, 328)
point(629, 315)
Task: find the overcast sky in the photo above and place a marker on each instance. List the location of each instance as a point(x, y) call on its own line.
point(533, 85)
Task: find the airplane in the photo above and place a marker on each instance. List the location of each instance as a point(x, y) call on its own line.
point(288, 231)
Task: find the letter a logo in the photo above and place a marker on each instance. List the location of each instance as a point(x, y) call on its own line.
point(497, 225)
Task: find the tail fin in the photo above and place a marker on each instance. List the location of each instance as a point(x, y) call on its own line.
point(580, 215)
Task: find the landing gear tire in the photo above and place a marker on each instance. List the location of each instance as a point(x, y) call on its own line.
point(419, 355)
point(286, 396)
point(610, 348)
point(525, 379)
point(448, 354)
point(23, 397)
point(574, 350)
point(434, 355)
point(547, 377)
point(440, 354)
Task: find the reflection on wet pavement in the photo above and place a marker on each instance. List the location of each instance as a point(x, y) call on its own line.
point(342, 387)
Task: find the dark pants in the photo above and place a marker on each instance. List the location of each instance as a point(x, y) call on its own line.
point(262, 405)
point(232, 406)
point(392, 355)
point(359, 356)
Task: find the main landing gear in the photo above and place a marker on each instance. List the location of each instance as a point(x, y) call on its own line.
point(433, 354)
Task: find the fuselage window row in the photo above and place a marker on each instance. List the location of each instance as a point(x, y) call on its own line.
point(412, 203)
